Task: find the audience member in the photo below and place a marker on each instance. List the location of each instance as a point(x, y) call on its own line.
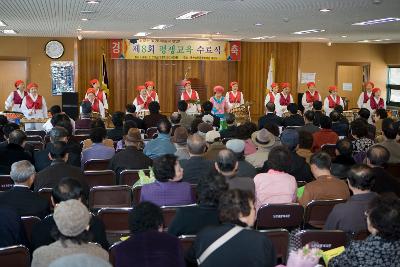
point(175, 119)
point(203, 128)
point(20, 197)
point(382, 247)
point(197, 166)
point(191, 220)
point(207, 107)
point(153, 119)
point(349, 217)
point(194, 126)
point(148, 245)
point(270, 117)
point(236, 210)
point(230, 131)
point(71, 235)
point(294, 118)
point(62, 120)
point(244, 132)
point(364, 114)
point(66, 189)
point(12, 230)
point(117, 119)
point(378, 117)
point(186, 119)
point(98, 123)
point(131, 115)
point(264, 141)
point(168, 189)
point(274, 129)
point(318, 113)
point(309, 122)
point(85, 117)
point(325, 186)
point(245, 169)
point(339, 109)
point(305, 144)
point(98, 150)
point(344, 158)
point(180, 141)
point(338, 126)
point(129, 124)
point(214, 145)
point(56, 109)
point(13, 151)
point(161, 145)
point(276, 185)
point(359, 131)
point(325, 136)
point(7, 130)
point(390, 142)
point(80, 260)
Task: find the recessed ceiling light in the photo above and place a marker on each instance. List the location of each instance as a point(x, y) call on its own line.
point(218, 33)
point(142, 34)
point(364, 41)
point(386, 39)
point(92, 2)
point(79, 29)
point(263, 37)
point(376, 21)
point(344, 36)
point(2, 24)
point(87, 11)
point(378, 40)
point(193, 14)
point(161, 27)
point(84, 19)
point(9, 32)
point(325, 10)
point(258, 24)
point(309, 31)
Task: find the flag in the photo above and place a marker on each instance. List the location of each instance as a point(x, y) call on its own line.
point(271, 73)
point(103, 77)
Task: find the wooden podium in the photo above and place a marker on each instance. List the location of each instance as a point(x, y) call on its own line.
point(196, 85)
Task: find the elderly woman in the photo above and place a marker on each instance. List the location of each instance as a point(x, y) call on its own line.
point(96, 104)
point(382, 247)
point(34, 107)
point(167, 190)
point(359, 131)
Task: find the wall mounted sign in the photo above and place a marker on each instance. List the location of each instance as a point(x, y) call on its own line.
point(62, 77)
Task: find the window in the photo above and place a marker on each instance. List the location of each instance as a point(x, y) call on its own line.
point(393, 86)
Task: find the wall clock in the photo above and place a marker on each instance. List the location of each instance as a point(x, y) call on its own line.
point(54, 49)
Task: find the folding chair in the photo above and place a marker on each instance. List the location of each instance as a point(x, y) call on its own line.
point(317, 212)
point(79, 137)
point(286, 216)
point(17, 256)
point(96, 165)
point(186, 242)
point(100, 178)
point(280, 241)
point(169, 213)
point(6, 182)
point(29, 222)
point(41, 133)
point(46, 193)
point(111, 253)
point(322, 239)
point(136, 195)
point(82, 131)
point(130, 177)
point(30, 138)
point(115, 221)
point(117, 196)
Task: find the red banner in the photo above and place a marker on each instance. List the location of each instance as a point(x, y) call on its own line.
point(234, 51)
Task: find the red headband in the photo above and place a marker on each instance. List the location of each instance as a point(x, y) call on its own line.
point(309, 84)
point(332, 88)
point(31, 85)
point(149, 83)
point(218, 89)
point(91, 91)
point(375, 90)
point(17, 83)
point(93, 81)
point(284, 85)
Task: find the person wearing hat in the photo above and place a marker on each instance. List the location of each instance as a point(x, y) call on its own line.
point(191, 97)
point(151, 91)
point(245, 169)
point(72, 219)
point(214, 145)
point(179, 139)
point(220, 104)
point(365, 95)
point(34, 107)
point(234, 97)
point(375, 101)
point(310, 96)
point(14, 99)
point(272, 94)
point(204, 128)
point(96, 104)
point(283, 99)
point(332, 100)
point(264, 141)
point(142, 101)
point(100, 94)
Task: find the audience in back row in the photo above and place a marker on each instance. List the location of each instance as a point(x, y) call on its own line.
point(116, 133)
point(162, 144)
point(270, 117)
point(339, 127)
point(152, 120)
point(98, 123)
point(230, 131)
point(293, 118)
point(344, 158)
point(98, 150)
point(130, 115)
point(325, 136)
point(186, 119)
point(309, 117)
point(318, 113)
point(365, 115)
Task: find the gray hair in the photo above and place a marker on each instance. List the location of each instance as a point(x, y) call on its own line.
point(57, 133)
point(21, 171)
point(196, 144)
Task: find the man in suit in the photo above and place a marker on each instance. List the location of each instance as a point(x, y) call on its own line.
point(130, 115)
point(186, 119)
point(294, 118)
point(118, 121)
point(318, 113)
point(58, 169)
point(365, 114)
point(197, 166)
point(12, 230)
point(390, 133)
point(309, 126)
point(20, 197)
point(338, 126)
point(270, 117)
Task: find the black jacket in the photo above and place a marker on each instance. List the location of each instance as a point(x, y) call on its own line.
point(195, 168)
point(12, 231)
point(293, 120)
point(42, 160)
point(138, 121)
point(341, 165)
point(385, 182)
point(269, 118)
point(342, 129)
point(12, 153)
point(129, 159)
point(115, 134)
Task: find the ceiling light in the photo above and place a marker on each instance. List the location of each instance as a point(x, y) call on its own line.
point(263, 37)
point(376, 21)
point(364, 41)
point(386, 39)
point(193, 14)
point(9, 32)
point(344, 36)
point(87, 11)
point(218, 33)
point(92, 2)
point(161, 27)
point(142, 34)
point(79, 29)
point(309, 31)
point(325, 10)
point(258, 24)
point(378, 40)
point(2, 24)
point(84, 19)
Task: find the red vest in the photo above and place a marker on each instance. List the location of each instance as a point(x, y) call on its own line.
point(235, 99)
point(284, 101)
point(153, 94)
point(140, 101)
point(17, 98)
point(95, 105)
point(30, 104)
point(374, 105)
point(99, 96)
point(311, 98)
point(366, 97)
point(333, 103)
point(271, 97)
point(186, 96)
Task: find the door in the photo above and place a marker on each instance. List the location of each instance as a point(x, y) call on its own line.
point(11, 71)
point(349, 82)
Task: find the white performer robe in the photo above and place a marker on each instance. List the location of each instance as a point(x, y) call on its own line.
point(360, 101)
point(192, 108)
point(9, 103)
point(104, 102)
point(232, 105)
point(327, 109)
point(308, 106)
point(36, 113)
point(280, 109)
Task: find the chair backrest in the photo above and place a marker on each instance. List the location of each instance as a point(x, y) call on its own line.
point(393, 169)
point(136, 195)
point(329, 149)
point(46, 193)
point(323, 239)
point(34, 138)
point(117, 196)
point(79, 137)
point(280, 241)
point(46, 140)
point(186, 242)
point(29, 222)
point(150, 132)
point(37, 145)
point(5, 182)
point(17, 256)
point(111, 253)
point(130, 177)
point(169, 213)
point(41, 133)
point(317, 212)
point(100, 178)
point(96, 164)
point(280, 216)
point(116, 222)
point(82, 131)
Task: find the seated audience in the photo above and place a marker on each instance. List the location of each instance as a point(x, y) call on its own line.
point(309, 123)
point(390, 142)
point(338, 126)
point(207, 107)
point(359, 131)
point(180, 141)
point(191, 220)
point(226, 164)
point(343, 119)
point(98, 150)
point(364, 114)
point(80, 260)
point(276, 185)
point(244, 132)
point(344, 158)
point(203, 128)
point(382, 247)
point(175, 119)
point(14, 151)
point(196, 166)
point(194, 127)
point(9, 128)
point(132, 157)
point(131, 115)
point(270, 117)
point(168, 189)
point(161, 145)
point(325, 186)
point(71, 235)
point(12, 230)
point(318, 113)
point(148, 245)
point(378, 117)
point(214, 145)
point(265, 141)
point(62, 120)
point(118, 121)
point(125, 129)
point(186, 119)
point(274, 129)
point(294, 118)
point(98, 123)
point(325, 136)
point(230, 131)
point(305, 144)
point(153, 119)
point(56, 109)
point(66, 189)
point(236, 209)
point(349, 217)
point(85, 119)
point(245, 169)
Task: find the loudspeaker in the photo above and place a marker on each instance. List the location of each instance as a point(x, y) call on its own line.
point(70, 104)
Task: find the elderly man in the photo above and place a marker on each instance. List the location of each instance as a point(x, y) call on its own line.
point(390, 143)
point(214, 144)
point(245, 169)
point(270, 117)
point(14, 151)
point(20, 197)
point(186, 119)
point(162, 144)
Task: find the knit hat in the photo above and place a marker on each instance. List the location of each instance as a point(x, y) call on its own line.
point(93, 81)
point(204, 127)
point(17, 83)
point(32, 85)
point(208, 119)
point(133, 135)
point(91, 91)
point(290, 138)
point(375, 90)
point(285, 84)
point(149, 83)
point(212, 135)
point(71, 217)
point(140, 88)
point(309, 84)
point(218, 89)
point(332, 88)
point(263, 138)
point(236, 145)
point(180, 135)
